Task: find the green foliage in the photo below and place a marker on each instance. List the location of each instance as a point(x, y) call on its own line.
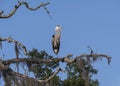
point(55, 81)
point(43, 70)
point(78, 74)
point(74, 81)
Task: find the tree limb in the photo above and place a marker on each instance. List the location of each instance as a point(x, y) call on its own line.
point(17, 44)
point(66, 59)
point(17, 74)
point(95, 56)
point(26, 5)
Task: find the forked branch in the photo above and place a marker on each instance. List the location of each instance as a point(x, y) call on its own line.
point(18, 45)
point(26, 5)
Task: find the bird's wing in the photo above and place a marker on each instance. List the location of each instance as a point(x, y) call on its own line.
point(55, 45)
point(53, 39)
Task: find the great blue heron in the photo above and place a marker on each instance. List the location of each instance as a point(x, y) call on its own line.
point(56, 39)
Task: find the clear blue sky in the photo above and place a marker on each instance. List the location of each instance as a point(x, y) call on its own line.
point(94, 23)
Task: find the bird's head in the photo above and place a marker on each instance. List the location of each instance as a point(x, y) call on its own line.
point(58, 28)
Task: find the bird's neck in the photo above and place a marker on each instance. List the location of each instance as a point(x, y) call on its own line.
point(58, 33)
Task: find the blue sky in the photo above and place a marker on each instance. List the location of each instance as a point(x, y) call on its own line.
point(94, 23)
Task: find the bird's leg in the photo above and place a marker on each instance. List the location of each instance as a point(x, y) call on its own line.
point(57, 55)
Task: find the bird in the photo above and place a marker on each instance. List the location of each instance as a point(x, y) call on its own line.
point(56, 39)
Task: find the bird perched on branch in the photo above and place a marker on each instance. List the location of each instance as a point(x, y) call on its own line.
point(56, 39)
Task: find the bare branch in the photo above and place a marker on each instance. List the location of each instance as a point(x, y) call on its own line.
point(17, 44)
point(95, 56)
point(13, 73)
point(40, 81)
point(37, 60)
point(26, 5)
point(56, 72)
point(48, 12)
point(66, 59)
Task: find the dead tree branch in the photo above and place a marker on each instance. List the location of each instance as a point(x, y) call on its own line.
point(13, 73)
point(95, 56)
point(26, 5)
point(18, 45)
point(66, 59)
point(40, 81)
point(36, 60)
